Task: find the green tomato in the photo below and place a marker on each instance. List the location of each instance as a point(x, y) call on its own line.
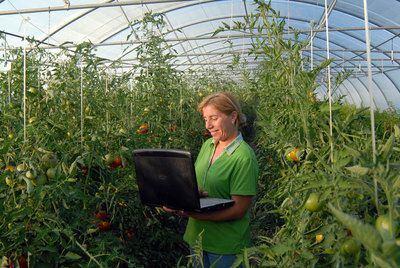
point(383, 225)
point(21, 167)
point(30, 174)
point(51, 173)
point(313, 203)
point(9, 181)
point(41, 180)
point(350, 247)
point(32, 120)
point(108, 158)
point(49, 160)
point(32, 90)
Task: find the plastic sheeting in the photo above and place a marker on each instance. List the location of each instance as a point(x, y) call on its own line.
point(190, 25)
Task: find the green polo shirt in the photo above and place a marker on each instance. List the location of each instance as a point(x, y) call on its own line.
point(234, 172)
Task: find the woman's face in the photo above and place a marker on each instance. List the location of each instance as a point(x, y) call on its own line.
point(221, 126)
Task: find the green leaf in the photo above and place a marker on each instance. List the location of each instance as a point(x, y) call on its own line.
point(396, 131)
point(280, 249)
point(363, 232)
point(359, 170)
point(380, 261)
point(29, 184)
point(325, 107)
point(72, 256)
point(387, 148)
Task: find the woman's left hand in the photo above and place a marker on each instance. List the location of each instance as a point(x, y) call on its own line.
point(180, 213)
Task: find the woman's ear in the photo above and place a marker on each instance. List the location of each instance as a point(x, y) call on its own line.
point(234, 115)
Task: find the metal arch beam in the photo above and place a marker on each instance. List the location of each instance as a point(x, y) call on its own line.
point(174, 1)
point(49, 35)
point(176, 8)
point(319, 38)
point(153, 1)
point(350, 14)
point(86, 6)
point(180, 28)
point(210, 43)
point(127, 3)
point(359, 17)
point(136, 2)
point(353, 89)
point(322, 20)
point(384, 96)
point(219, 58)
point(348, 92)
point(366, 89)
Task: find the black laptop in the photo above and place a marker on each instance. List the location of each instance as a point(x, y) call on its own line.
point(166, 177)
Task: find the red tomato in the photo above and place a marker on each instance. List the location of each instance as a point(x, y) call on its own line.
point(172, 128)
point(22, 262)
point(129, 234)
point(143, 129)
point(117, 162)
point(104, 226)
point(101, 215)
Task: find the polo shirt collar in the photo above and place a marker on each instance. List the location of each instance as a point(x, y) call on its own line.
point(233, 145)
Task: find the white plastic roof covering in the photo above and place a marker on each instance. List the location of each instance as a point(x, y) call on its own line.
point(106, 24)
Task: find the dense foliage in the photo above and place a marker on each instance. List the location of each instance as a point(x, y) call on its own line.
point(68, 195)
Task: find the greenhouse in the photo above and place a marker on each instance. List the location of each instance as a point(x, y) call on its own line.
point(307, 145)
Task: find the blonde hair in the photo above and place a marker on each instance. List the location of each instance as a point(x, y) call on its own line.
point(226, 103)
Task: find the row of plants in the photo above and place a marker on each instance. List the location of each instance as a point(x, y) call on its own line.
point(68, 195)
point(325, 199)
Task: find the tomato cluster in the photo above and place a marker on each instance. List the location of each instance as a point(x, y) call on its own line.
point(143, 129)
point(103, 220)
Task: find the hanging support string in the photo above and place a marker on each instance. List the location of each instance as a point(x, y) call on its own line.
point(329, 81)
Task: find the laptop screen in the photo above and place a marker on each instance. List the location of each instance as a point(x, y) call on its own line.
point(166, 178)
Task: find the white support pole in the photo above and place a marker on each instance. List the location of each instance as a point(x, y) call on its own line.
point(24, 81)
point(391, 53)
point(288, 14)
point(81, 65)
point(371, 94)
point(9, 84)
point(371, 98)
point(312, 45)
point(107, 111)
point(329, 80)
point(301, 60)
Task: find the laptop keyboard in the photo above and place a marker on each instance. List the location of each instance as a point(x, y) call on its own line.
point(209, 201)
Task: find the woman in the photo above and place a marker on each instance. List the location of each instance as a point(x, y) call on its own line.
point(226, 167)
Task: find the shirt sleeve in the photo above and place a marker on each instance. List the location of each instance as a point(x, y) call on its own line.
point(244, 177)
